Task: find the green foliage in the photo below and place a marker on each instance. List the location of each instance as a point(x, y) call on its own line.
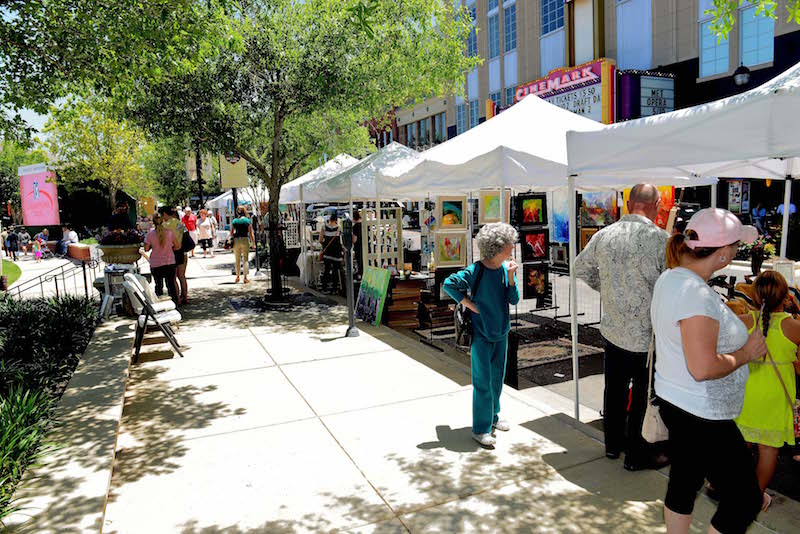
point(12, 156)
point(11, 271)
point(24, 418)
point(93, 145)
point(51, 48)
point(89, 241)
point(725, 14)
point(164, 165)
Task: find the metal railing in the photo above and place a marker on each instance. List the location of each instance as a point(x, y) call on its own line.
point(68, 279)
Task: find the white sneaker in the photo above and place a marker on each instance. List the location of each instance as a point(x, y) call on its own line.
point(502, 425)
point(486, 440)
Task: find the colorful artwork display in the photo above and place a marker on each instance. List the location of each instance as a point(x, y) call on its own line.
point(560, 255)
point(598, 209)
point(534, 245)
point(451, 249)
point(372, 295)
point(452, 212)
point(536, 278)
point(560, 230)
point(586, 236)
point(490, 207)
point(667, 202)
point(532, 209)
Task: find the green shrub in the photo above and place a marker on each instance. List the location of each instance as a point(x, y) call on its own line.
point(23, 423)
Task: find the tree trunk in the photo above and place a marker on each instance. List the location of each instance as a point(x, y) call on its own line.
point(112, 194)
point(275, 247)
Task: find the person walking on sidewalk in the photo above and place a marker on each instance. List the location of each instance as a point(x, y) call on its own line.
point(767, 418)
point(163, 243)
point(492, 287)
point(703, 350)
point(172, 222)
point(189, 220)
point(24, 240)
point(13, 243)
point(623, 262)
point(206, 232)
point(243, 237)
point(332, 251)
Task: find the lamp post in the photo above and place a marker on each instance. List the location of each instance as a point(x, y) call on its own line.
point(741, 76)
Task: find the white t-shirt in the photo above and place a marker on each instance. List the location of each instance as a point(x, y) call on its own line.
point(680, 294)
point(73, 236)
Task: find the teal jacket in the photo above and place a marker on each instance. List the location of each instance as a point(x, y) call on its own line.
point(493, 298)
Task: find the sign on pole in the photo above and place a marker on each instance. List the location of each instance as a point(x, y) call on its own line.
point(233, 171)
point(39, 195)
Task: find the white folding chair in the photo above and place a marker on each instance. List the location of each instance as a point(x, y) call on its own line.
point(141, 283)
point(151, 318)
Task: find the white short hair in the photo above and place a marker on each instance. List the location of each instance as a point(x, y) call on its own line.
point(494, 237)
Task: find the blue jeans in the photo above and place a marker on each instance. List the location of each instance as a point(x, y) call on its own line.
point(488, 364)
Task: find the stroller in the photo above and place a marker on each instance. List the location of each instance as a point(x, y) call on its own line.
point(47, 253)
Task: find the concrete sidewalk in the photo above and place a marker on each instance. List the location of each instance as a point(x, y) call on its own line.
point(275, 423)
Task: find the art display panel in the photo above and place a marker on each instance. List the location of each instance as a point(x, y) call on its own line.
point(536, 278)
point(531, 210)
point(598, 209)
point(535, 245)
point(489, 208)
point(450, 249)
point(452, 213)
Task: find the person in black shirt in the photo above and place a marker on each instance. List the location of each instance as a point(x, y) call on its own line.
point(13, 243)
point(120, 220)
point(331, 254)
point(358, 251)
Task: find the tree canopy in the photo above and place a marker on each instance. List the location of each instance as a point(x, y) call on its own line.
point(724, 13)
point(13, 156)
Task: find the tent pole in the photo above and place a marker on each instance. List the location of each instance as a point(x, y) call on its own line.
point(714, 196)
point(303, 236)
point(573, 295)
point(787, 202)
point(502, 205)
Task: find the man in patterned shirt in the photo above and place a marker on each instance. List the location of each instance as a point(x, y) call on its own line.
point(623, 262)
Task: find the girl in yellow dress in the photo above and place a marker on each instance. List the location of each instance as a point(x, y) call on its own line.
point(766, 418)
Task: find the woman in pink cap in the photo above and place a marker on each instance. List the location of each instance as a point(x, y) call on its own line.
point(702, 350)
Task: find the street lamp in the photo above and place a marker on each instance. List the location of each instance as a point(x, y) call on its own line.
point(741, 76)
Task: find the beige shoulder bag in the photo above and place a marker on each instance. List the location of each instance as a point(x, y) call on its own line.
point(653, 427)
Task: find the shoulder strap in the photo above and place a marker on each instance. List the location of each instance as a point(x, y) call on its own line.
point(777, 372)
point(650, 367)
point(474, 290)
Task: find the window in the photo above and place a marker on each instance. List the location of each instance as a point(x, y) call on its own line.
point(756, 37)
point(510, 27)
point(494, 36)
point(491, 5)
point(424, 132)
point(472, 40)
point(495, 97)
point(634, 39)
point(713, 56)
point(552, 15)
point(439, 128)
point(411, 135)
point(473, 113)
point(461, 119)
point(510, 93)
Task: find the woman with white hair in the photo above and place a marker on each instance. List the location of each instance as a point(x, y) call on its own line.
point(492, 286)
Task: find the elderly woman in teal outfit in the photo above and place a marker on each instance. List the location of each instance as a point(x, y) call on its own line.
point(497, 289)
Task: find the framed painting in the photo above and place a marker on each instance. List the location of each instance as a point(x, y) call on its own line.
point(452, 213)
point(586, 236)
point(560, 230)
point(667, 202)
point(450, 249)
point(560, 255)
point(535, 246)
point(489, 208)
point(372, 295)
point(598, 209)
point(535, 282)
point(532, 209)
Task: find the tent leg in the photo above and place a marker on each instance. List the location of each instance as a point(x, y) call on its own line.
point(714, 196)
point(787, 202)
point(573, 294)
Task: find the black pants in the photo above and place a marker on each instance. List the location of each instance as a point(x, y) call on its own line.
point(166, 273)
point(623, 428)
point(701, 449)
point(332, 278)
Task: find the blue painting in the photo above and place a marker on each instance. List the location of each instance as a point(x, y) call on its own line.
point(560, 217)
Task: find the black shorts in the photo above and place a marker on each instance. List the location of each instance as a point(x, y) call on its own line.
point(180, 257)
point(206, 243)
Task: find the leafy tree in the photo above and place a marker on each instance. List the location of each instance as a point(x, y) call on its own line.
point(164, 162)
point(50, 48)
point(724, 13)
point(13, 156)
point(94, 146)
point(304, 77)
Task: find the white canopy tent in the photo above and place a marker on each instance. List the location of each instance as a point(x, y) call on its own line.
point(523, 148)
point(751, 135)
point(293, 191)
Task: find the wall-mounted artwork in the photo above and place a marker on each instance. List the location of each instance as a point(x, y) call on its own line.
point(452, 213)
point(534, 245)
point(586, 235)
point(560, 255)
point(667, 202)
point(451, 249)
point(560, 230)
point(372, 295)
point(535, 286)
point(531, 209)
point(598, 209)
point(490, 207)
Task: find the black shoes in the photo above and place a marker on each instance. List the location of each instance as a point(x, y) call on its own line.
point(612, 455)
point(649, 463)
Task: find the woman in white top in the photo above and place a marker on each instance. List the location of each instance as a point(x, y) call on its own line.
point(207, 232)
point(702, 351)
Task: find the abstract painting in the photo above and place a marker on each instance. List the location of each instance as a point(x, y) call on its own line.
point(560, 255)
point(535, 283)
point(532, 209)
point(598, 209)
point(534, 245)
point(451, 249)
point(490, 207)
point(667, 202)
point(452, 212)
point(586, 236)
point(372, 295)
point(560, 230)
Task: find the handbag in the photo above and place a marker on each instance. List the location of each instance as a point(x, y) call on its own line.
point(653, 427)
point(795, 406)
point(187, 243)
point(463, 315)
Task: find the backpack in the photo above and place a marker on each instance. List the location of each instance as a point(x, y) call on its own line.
point(463, 316)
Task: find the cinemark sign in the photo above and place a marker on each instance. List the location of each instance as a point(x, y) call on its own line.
point(561, 79)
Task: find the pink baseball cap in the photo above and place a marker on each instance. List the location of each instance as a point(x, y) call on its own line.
point(718, 228)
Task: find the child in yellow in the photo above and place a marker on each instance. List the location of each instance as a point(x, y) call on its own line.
point(766, 418)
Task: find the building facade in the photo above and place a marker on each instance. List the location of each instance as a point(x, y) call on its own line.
point(598, 58)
